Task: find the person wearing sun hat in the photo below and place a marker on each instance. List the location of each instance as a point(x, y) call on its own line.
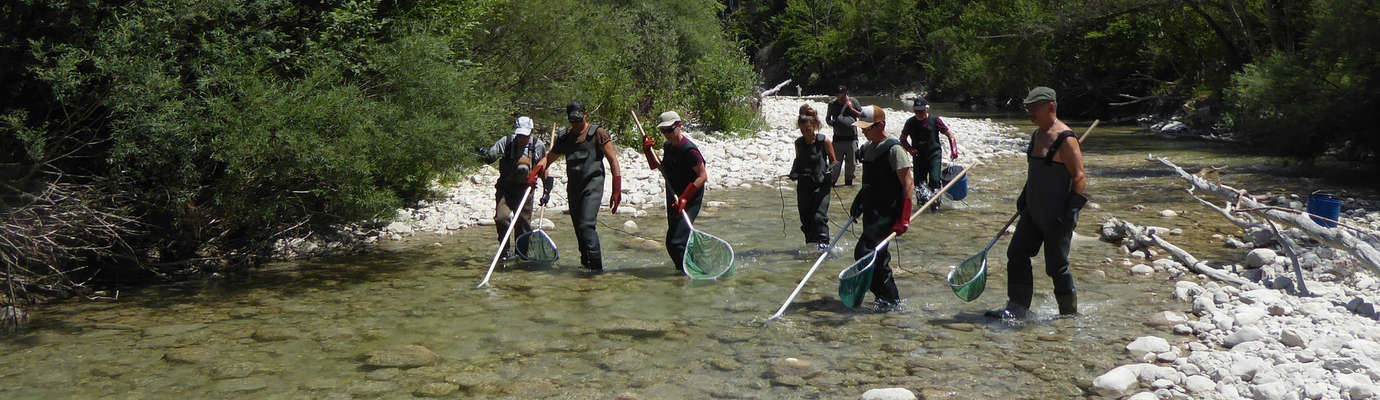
point(920, 137)
point(683, 167)
point(884, 201)
point(585, 147)
point(1049, 204)
point(515, 153)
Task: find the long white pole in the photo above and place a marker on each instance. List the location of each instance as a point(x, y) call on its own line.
point(818, 262)
point(506, 235)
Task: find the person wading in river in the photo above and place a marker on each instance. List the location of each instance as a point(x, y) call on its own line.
point(683, 167)
point(840, 114)
point(514, 154)
point(884, 201)
point(920, 137)
point(1049, 205)
point(814, 160)
point(584, 146)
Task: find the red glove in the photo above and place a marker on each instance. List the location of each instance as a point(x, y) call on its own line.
point(912, 151)
point(535, 174)
point(617, 197)
point(647, 143)
point(903, 223)
point(685, 196)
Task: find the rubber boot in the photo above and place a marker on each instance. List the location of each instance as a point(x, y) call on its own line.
point(1017, 304)
point(1068, 304)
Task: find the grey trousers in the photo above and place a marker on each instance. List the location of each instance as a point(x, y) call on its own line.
point(846, 151)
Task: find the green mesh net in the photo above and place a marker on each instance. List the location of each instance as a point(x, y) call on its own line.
point(970, 277)
point(855, 281)
point(536, 246)
point(707, 256)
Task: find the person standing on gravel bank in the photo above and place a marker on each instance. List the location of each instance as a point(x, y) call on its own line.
point(920, 137)
point(1049, 205)
point(585, 146)
point(683, 167)
point(884, 201)
point(814, 160)
point(514, 154)
point(841, 113)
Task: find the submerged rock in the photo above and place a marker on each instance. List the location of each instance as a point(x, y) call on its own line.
point(888, 394)
point(411, 356)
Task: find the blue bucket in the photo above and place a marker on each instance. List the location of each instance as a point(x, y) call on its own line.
point(1326, 206)
point(959, 191)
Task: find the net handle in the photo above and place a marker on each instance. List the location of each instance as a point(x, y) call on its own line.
point(541, 213)
point(782, 311)
point(506, 235)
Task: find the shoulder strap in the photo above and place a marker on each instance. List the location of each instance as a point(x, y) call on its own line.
point(1058, 141)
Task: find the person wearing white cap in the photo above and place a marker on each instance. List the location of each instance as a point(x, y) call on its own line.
point(515, 154)
point(683, 167)
point(883, 202)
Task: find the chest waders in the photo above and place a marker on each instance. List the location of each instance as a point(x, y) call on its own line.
point(678, 166)
point(812, 188)
point(584, 168)
point(882, 199)
point(1048, 187)
point(512, 181)
point(928, 160)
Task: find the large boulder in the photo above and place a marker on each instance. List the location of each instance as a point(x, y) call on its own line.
point(1259, 257)
point(1147, 344)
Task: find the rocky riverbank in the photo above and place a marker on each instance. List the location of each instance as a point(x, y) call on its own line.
point(1264, 339)
point(732, 162)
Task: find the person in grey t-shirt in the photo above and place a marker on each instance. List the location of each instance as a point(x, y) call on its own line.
point(841, 113)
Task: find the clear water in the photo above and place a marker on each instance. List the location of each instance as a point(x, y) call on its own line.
point(301, 330)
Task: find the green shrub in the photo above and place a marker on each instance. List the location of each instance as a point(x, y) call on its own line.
point(722, 90)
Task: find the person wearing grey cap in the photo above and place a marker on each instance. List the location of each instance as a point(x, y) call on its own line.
point(683, 167)
point(1049, 205)
point(920, 138)
point(515, 153)
point(585, 147)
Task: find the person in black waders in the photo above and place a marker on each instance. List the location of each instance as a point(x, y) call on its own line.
point(1049, 205)
point(814, 158)
point(840, 114)
point(584, 146)
point(920, 137)
point(683, 167)
point(884, 201)
point(515, 154)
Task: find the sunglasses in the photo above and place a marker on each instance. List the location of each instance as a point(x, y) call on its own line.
point(666, 130)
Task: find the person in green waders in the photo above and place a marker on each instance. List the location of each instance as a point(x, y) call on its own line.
point(514, 154)
point(884, 201)
point(1049, 205)
point(584, 146)
point(920, 138)
point(814, 158)
point(683, 167)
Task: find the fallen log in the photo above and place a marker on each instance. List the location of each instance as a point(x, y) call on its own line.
point(773, 90)
point(1146, 236)
point(1336, 238)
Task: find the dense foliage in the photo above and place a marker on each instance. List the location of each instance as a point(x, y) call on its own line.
point(183, 137)
point(1294, 76)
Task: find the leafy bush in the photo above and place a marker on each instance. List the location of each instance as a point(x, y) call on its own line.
point(722, 85)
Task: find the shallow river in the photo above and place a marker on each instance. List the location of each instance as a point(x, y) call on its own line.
point(301, 330)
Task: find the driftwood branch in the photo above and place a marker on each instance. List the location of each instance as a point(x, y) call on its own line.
point(1337, 238)
point(778, 87)
point(1142, 236)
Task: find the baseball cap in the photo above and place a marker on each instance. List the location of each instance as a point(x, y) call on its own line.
point(920, 104)
point(575, 112)
point(1039, 94)
point(523, 127)
point(668, 118)
point(870, 115)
